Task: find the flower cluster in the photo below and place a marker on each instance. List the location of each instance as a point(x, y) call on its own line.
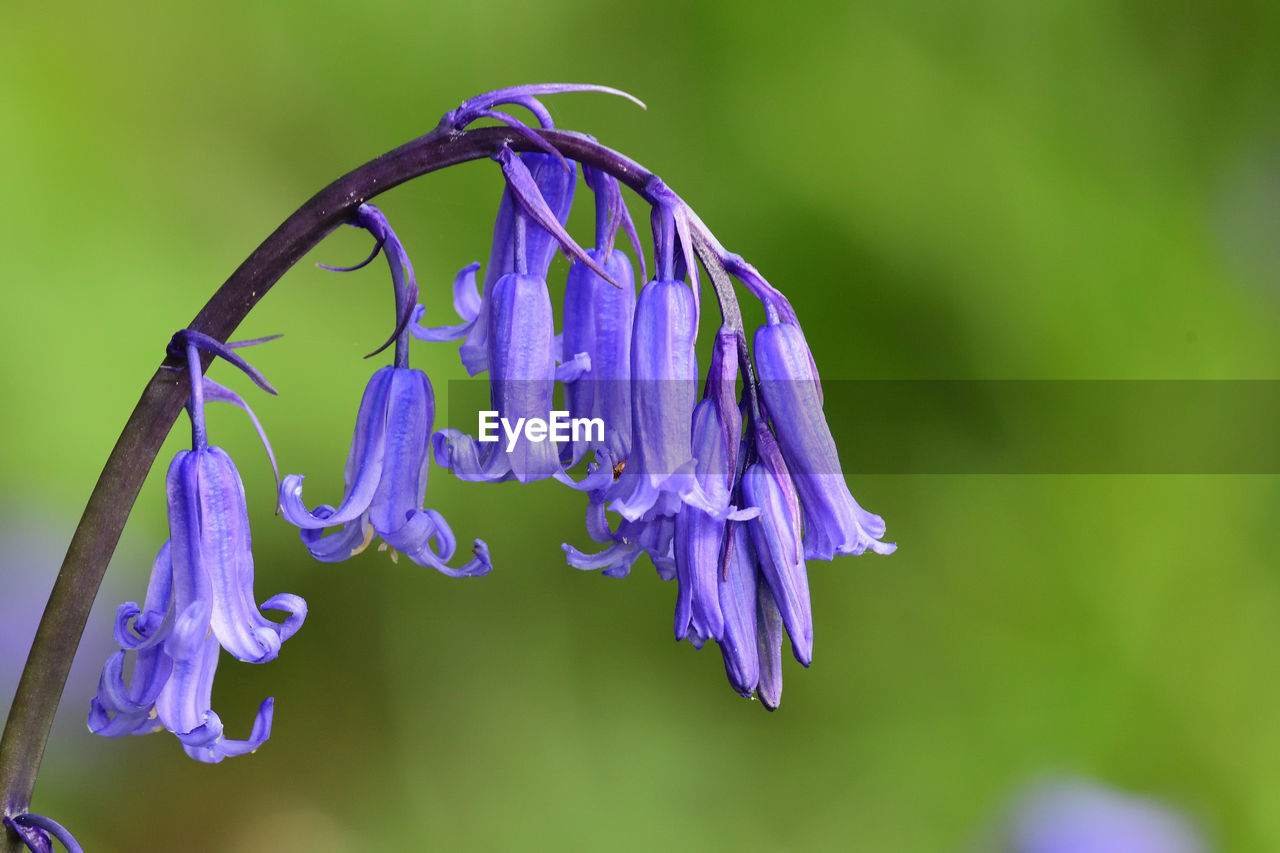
point(727, 494)
point(729, 482)
point(200, 599)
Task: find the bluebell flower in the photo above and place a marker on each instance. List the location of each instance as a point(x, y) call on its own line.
point(664, 384)
point(736, 593)
point(521, 351)
point(775, 533)
point(522, 386)
point(200, 598)
point(653, 478)
point(650, 485)
point(385, 483)
point(699, 535)
point(834, 523)
point(555, 186)
point(598, 316)
point(385, 480)
point(768, 648)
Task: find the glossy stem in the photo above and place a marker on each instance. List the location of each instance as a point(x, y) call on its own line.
point(31, 715)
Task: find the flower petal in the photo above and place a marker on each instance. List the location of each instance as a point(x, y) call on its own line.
point(364, 464)
point(149, 623)
point(834, 522)
point(736, 591)
point(776, 544)
point(768, 648)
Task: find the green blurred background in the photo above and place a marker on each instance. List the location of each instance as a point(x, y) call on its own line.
point(995, 189)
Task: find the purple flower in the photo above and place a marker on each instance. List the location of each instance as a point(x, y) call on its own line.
point(651, 485)
point(664, 381)
point(385, 483)
point(200, 598)
point(516, 242)
point(776, 537)
point(1078, 817)
point(385, 480)
point(700, 535)
point(597, 329)
point(521, 387)
point(833, 521)
point(736, 595)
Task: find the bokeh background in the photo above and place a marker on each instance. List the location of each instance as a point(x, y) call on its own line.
point(987, 190)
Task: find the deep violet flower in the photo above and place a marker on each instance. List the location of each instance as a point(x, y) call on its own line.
point(520, 341)
point(385, 480)
point(776, 537)
point(658, 479)
point(200, 598)
point(736, 587)
point(521, 386)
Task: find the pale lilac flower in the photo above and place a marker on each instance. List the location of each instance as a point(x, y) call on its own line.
point(1080, 817)
point(385, 480)
point(385, 483)
point(598, 316)
point(200, 598)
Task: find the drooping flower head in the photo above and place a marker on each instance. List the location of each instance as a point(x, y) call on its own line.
point(743, 578)
point(521, 345)
point(598, 316)
point(834, 523)
point(386, 473)
point(200, 599)
point(700, 537)
point(657, 476)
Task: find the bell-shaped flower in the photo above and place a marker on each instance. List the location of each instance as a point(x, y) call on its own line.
point(516, 242)
point(834, 523)
point(664, 386)
point(385, 480)
point(521, 388)
point(699, 535)
point(768, 648)
point(736, 596)
point(598, 316)
point(200, 598)
point(385, 483)
point(775, 533)
point(539, 183)
point(652, 534)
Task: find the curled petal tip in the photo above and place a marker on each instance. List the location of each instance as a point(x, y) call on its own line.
point(377, 247)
